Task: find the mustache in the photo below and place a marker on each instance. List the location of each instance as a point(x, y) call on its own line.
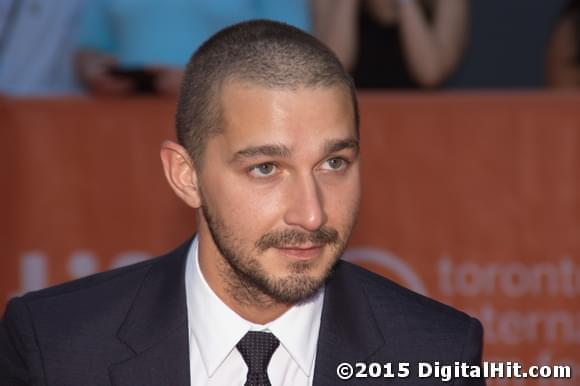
point(292, 237)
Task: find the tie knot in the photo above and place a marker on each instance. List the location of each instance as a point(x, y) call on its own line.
point(257, 348)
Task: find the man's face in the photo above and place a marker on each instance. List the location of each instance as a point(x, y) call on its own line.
point(280, 187)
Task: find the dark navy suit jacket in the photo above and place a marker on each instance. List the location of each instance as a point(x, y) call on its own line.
point(128, 327)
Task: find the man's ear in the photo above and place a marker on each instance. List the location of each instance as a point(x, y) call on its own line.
point(181, 173)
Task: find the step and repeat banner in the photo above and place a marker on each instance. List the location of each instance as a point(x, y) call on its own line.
point(472, 199)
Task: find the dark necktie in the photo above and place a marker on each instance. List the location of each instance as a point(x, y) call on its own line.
point(257, 349)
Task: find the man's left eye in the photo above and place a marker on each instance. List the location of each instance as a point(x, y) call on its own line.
point(263, 170)
point(334, 163)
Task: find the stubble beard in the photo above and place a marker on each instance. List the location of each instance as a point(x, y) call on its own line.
point(246, 280)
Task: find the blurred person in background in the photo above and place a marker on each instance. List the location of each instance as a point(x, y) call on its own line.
point(507, 44)
point(563, 61)
point(394, 43)
point(37, 40)
point(129, 46)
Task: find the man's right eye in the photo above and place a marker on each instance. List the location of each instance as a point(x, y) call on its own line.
point(263, 170)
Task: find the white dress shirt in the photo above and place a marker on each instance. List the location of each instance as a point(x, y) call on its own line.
point(215, 329)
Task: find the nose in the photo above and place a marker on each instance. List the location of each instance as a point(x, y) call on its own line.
point(305, 207)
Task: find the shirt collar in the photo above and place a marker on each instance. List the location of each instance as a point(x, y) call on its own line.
point(297, 329)
point(217, 328)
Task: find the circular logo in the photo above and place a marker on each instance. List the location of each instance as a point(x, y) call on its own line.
point(383, 263)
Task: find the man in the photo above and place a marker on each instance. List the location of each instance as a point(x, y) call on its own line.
point(268, 156)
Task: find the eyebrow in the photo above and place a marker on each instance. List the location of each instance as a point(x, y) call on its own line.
point(282, 151)
point(264, 150)
point(334, 146)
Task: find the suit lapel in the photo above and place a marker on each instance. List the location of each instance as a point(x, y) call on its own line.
point(349, 331)
point(156, 328)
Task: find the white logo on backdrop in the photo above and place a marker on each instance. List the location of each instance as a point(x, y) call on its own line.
point(34, 270)
point(390, 262)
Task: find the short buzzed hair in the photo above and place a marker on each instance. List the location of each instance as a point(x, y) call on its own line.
point(262, 52)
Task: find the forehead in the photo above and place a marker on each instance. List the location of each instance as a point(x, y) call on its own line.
point(298, 118)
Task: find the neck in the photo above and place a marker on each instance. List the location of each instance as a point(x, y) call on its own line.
point(245, 300)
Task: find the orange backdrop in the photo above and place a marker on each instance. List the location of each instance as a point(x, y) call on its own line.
point(473, 199)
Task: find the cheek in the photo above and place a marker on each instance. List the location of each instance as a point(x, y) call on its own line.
point(341, 202)
point(243, 206)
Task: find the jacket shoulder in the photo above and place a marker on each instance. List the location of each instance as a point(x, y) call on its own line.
point(102, 298)
point(420, 310)
point(128, 274)
point(77, 324)
point(96, 280)
point(421, 328)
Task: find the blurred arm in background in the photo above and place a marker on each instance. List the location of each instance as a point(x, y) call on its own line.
point(97, 52)
point(335, 23)
point(563, 61)
point(433, 49)
point(431, 44)
point(93, 70)
point(150, 36)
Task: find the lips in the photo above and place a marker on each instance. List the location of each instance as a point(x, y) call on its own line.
point(301, 252)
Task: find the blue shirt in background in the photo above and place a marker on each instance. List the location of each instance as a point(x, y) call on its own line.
point(167, 32)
